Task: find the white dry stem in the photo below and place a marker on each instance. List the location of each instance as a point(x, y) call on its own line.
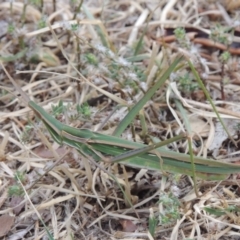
point(134, 34)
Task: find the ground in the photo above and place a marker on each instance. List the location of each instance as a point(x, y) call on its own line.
point(154, 81)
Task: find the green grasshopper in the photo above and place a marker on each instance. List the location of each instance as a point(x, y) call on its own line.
point(107, 148)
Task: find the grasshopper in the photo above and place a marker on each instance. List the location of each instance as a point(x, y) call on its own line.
point(107, 148)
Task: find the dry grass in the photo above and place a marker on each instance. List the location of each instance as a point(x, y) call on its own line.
point(52, 185)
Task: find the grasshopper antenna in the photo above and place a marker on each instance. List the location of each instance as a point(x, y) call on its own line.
point(23, 94)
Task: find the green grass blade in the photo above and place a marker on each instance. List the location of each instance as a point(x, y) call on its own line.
point(138, 58)
point(195, 73)
point(134, 111)
point(142, 150)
